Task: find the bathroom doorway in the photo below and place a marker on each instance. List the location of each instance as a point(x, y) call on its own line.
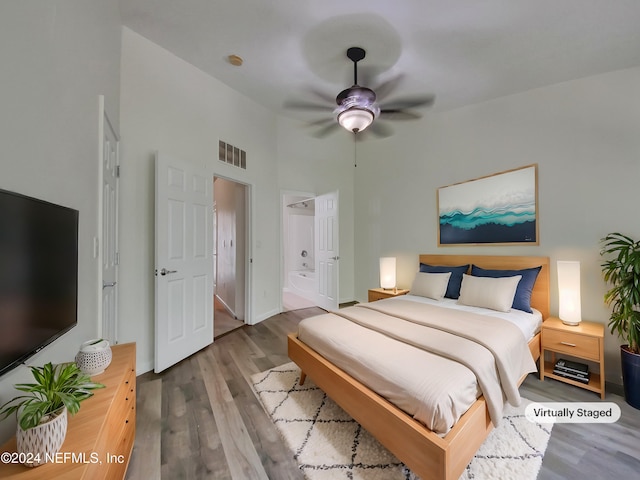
point(309, 251)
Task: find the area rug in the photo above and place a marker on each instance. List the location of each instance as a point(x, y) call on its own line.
point(328, 444)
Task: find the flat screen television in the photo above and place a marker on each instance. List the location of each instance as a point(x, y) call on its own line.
point(38, 275)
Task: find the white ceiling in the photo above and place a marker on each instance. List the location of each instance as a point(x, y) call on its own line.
point(462, 51)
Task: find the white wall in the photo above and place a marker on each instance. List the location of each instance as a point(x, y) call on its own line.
point(301, 238)
point(57, 58)
point(582, 134)
point(170, 106)
point(310, 164)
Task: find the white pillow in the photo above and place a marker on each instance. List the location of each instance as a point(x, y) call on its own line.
point(489, 292)
point(431, 285)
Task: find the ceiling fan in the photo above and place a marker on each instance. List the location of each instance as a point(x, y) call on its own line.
point(358, 106)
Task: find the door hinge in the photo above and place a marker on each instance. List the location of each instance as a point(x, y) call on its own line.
point(118, 171)
point(117, 259)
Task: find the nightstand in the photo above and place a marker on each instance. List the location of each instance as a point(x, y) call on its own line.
point(380, 293)
point(584, 341)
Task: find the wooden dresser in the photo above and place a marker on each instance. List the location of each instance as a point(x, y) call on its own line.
point(100, 436)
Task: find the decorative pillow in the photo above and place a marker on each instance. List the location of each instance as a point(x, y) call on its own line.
point(431, 285)
point(489, 292)
point(522, 300)
point(453, 289)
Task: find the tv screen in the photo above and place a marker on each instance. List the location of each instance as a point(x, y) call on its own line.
point(38, 275)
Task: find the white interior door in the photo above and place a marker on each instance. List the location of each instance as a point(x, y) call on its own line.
point(108, 254)
point(184, 267)
point(326, 230)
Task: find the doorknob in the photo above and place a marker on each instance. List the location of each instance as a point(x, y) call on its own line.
point(334, 258)
point(108, 284)
point(164, 271)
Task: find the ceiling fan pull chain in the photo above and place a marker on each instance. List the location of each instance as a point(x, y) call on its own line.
point(355, 151)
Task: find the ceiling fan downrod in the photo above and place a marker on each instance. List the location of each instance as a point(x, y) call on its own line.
point(355, 54)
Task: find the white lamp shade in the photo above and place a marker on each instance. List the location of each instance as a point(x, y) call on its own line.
point(569, 292)
point(355, 119)
point(388, 272)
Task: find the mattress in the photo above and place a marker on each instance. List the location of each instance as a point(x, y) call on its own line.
point(434, 390)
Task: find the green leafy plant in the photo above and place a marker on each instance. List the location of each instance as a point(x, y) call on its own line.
point(622, 271)
point(58, 386)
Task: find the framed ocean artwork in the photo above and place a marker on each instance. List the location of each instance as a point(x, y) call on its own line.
point(500, 209)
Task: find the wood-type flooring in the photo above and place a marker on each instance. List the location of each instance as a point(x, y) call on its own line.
point(201, 420)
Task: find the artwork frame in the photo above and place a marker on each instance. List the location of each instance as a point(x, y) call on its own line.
point(497, 209)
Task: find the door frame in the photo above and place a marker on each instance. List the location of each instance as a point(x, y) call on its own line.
point(298, 193)
point(98, 241)
point(248, 254)
point(283, 194)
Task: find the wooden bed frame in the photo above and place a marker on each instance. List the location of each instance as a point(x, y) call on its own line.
point(427, 454)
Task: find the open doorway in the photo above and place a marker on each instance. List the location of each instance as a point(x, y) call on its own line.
point(230, 268)
point(299, 283)
point(309, 250)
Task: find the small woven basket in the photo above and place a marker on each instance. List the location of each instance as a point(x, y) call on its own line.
point(94, 356)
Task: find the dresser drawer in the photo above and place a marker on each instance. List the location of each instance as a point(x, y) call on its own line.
point(571, 343)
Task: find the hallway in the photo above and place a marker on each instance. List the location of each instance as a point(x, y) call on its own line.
point(223, 322)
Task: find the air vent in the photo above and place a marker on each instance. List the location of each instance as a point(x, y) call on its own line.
point(227, 153)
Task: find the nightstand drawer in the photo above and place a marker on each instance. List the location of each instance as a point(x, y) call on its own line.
point(380, 293)
point(373, 296)
point(572, 344)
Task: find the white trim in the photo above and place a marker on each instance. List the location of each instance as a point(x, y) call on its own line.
point(104, 122)
point(248, 274)
point(266, 315)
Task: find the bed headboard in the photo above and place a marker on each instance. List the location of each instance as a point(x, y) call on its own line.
point(540, 295)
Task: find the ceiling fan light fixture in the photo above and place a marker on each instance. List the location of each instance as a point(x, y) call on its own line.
point(355, 119)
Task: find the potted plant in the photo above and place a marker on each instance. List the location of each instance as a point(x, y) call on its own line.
point(622, 272)
point(42, 412)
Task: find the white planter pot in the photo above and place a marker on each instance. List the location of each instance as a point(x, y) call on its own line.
point(41, 443)
point(94, 356)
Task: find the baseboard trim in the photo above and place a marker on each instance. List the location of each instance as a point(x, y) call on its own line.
point(264, 316)
point(143, 367)
point(611, 387)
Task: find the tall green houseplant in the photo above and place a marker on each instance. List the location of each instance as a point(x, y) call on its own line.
point(621, 271)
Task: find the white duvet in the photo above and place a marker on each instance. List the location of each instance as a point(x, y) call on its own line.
point(434, 390)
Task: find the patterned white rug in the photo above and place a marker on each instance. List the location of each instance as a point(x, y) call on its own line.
point(328, 444)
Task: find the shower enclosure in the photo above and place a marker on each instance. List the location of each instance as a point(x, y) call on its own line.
point(300, 285)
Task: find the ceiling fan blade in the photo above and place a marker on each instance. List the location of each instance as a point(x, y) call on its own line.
point(330, 128)
point(410, 102)
point(385, 88)
point(301, 105)
point(379, 129)
point(321, 122)
point(396, 114)
point(325, 97)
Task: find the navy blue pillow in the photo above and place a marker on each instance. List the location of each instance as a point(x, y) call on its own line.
point(455, 280)
point(522, 299)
